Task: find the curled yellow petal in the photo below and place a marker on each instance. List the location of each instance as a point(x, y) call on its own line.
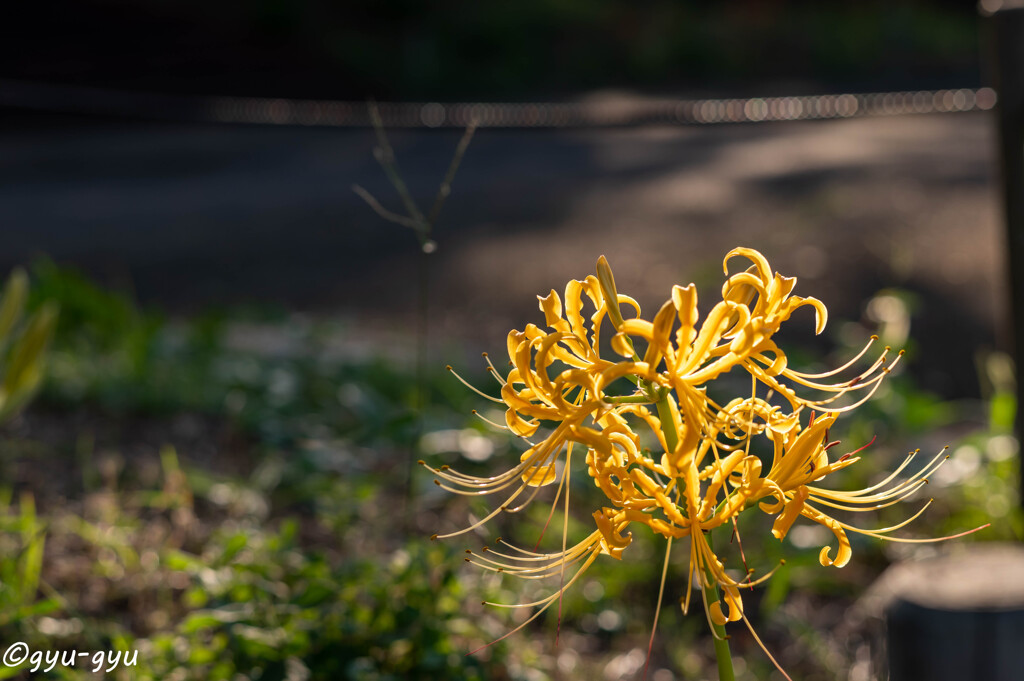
point(551, 306)
point(661, 448)
point(622, 345)
point(790, 513)
point(715, 611)
point(684, 298)
point(731, 596)
point(520, 426)
point(733, 600)
point(843, 553)
point(613, 542)
point(764, 270)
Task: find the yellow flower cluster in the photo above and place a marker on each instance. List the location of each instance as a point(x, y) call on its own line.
point(664, 452)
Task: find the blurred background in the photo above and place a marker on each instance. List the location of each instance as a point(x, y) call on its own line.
point(249, 356)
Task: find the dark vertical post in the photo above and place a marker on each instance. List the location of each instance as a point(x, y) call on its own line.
point(1005, 38)
point(962, 616)
point(956, 617)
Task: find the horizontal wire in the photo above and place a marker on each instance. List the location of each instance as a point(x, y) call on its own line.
point(353, 114)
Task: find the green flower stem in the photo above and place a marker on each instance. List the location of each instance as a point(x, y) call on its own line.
point(628, 399)
point(722, 654)
point(668, 424)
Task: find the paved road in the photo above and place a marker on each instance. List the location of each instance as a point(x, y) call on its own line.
point(193, 215)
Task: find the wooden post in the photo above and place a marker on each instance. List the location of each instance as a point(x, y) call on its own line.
point(959, 617)
point(962, 616)
point(1004, 29)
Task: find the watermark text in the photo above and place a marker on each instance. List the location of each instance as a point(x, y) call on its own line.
point(19, 654)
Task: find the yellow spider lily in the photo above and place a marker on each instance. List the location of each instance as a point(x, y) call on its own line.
point(705, 471)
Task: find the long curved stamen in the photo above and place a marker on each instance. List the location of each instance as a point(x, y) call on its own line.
point(824, 501)
point(892, 476)
point(840, 369)
point(871, 494)
point(589, 559)
point(875, 383)
point(657, 609)
point(529, 556)
point(529, 500)
point(565, 534)
point(554, 503)
point(549, 450)
point(472, 481)
point(764, 648)
point(929, 540)
point(499, 426)
point(550, 569)
point(751, 583)
point(881, 532)
point(491, 370)
point(856, 383)
point(710, 468)
point(473, 387)
point(539, 612)
point(697, 562)
point(743, 557)
point(504, 507)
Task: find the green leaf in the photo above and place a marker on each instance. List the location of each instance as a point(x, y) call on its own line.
point(203, 619)
point(10, 672)
point(32, 557)
point(13, 301)
point(1002, 411)
point(43, 607)
point(25, 369)
point(231, 548)
point(178, 560)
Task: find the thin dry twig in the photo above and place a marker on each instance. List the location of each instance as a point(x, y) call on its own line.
point(446, 185)
point(385, 156)
point(414, 218)
point(381, 210)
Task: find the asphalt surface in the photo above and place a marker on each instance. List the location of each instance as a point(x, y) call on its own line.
point(189, 216)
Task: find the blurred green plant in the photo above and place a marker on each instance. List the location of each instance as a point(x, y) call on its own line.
point(982, 480)
point(206, 573)
point(237, 597)
point(23, 344)
point(110, 353)
point(264, 606)
point(22, 538)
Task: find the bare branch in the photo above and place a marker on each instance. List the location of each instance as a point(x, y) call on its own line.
point(381, 210)
point(385, 155)
point(446, 185)
point(389, 163)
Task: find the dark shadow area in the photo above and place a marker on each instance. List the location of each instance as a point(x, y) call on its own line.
point(352, 50)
